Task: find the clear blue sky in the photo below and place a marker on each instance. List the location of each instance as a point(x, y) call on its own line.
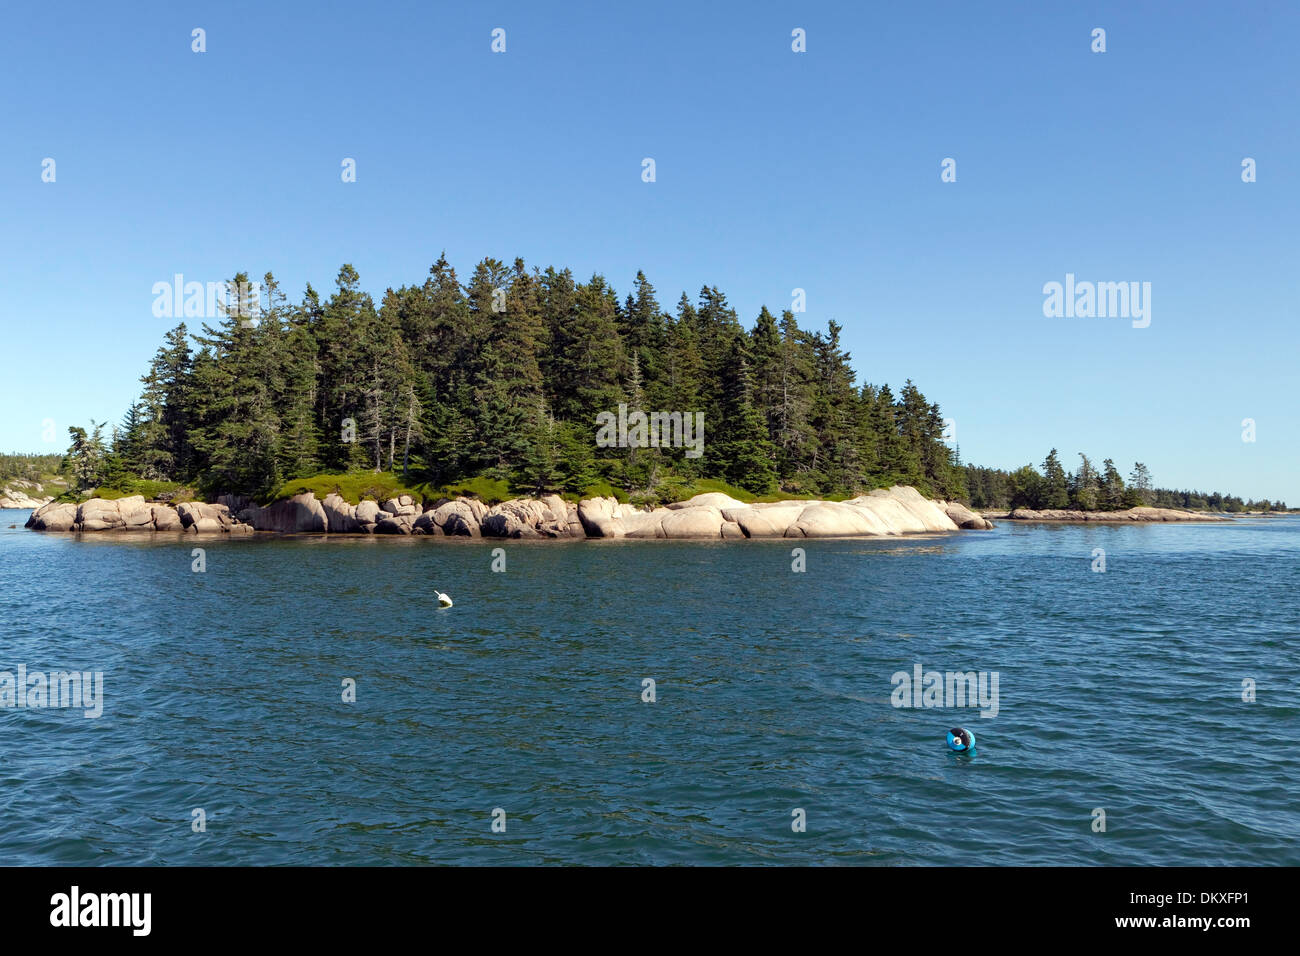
point(775, 170)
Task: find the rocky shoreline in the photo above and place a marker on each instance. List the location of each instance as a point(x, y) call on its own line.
point(1132, 514)
point(15, 497)
point(892, 511)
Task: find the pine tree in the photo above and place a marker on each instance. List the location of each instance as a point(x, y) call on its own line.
point(163, 449)
point(794, 436)
point(897, 460)
point(506, 378)
point(1112, 487)
point(1084, 490)
point(538, 470)
point(1026, 488)
point(716, 330)
point(921, 426)
point(765, 347)
point(587, 357)
point(1056, 488)
point(640, 466)
point(298, 452)
point(1140, 480)
point(83, 464)
point(127, 439)
point(234, 425)
point(684, 372)
point(644, 329)
point(338, 328)
point(834, 414)
point(578, 468)
point(743, 454)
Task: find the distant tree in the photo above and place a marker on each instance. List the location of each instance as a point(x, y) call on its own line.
point(1056, 489)
point(84, 462)
point(1085, 488)
point(29, 467)
point(1112, 487)
point(1026, 488)
point(1140, 482)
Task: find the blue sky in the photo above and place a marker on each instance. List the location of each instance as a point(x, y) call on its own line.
point(775, 170)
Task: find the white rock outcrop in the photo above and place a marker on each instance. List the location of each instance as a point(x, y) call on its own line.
point(883, 512)
point(135, 514)
point(19, 499)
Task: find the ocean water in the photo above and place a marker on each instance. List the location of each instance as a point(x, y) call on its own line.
point(222, 691)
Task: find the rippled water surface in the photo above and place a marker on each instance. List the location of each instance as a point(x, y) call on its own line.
point(1119, 690)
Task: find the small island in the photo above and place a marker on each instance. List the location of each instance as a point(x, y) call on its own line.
point(524, 403)
point(1138, 513)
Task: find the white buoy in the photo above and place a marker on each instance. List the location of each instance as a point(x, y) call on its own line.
point(443, 600)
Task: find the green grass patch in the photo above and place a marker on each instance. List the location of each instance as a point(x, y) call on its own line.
point(352, 486)
point(151, 490)
point(488, 490)
point(356, 486)
point(603, 489)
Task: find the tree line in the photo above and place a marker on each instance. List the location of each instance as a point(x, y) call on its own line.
point(503, 376)
point(28, 467)
point(1089, 488)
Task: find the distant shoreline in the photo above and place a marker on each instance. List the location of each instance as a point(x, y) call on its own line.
point(1139, 515)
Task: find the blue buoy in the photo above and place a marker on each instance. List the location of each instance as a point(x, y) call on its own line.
point(961, 740)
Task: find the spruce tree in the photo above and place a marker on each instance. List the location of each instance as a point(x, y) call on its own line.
point(1140, 480)
point(1084, 490)
point(1112, 487)
point(742, 453)
point(164, 449)
point(1056, 489)
point(83, 464)
point(795, 436)
point(234, 425)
